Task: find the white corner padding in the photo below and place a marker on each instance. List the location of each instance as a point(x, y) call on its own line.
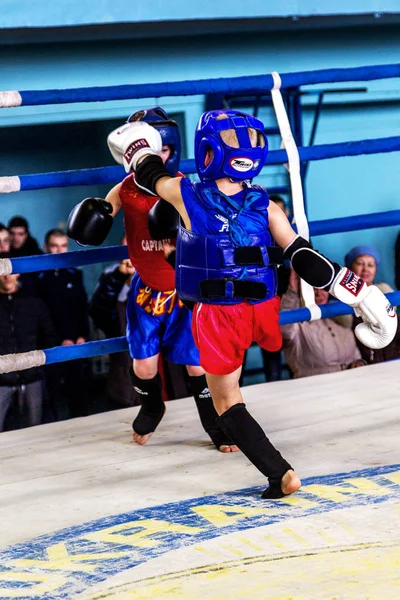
point(10, 184)
point(10, 99)
point(5, 266)
point(19, 362)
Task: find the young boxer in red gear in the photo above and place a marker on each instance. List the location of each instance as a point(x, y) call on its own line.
point(157, 319)
point(225, 262)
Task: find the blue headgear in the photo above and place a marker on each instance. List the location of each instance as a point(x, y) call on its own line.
point(168, 129)
point(238, 164)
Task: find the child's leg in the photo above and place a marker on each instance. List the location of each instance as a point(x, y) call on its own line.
point(178, 343)
point(247, 434)
point(147, 383)
point(207, 413)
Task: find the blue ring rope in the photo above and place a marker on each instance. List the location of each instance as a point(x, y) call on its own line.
point(79, 258)
point(354, 223)
point(227, 85)
point(275, 157)
point(76, 258)
point(286, 317)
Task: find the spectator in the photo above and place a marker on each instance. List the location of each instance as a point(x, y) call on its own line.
point(64, 294)
point(364, 261)
point(103, 306)
point(5, 239)
point(108, 312)
point(22, 243)
point(316, 347)
point(25, 325)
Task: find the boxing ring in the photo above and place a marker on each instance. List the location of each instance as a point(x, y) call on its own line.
point(88, 514)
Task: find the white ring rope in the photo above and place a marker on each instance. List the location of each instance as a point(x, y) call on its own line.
point(10, 184)
point(300, 218)
point(5, 266)
point(10, 99)
point(21, 361)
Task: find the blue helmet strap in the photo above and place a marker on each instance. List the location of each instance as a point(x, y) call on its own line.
point(243, 137)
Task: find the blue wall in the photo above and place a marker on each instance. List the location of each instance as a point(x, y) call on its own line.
point(335, 187)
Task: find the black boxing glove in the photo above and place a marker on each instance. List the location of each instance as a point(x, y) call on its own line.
point(163, 221)
point(90, 221)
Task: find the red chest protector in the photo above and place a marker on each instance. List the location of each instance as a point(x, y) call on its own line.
point(146, 254)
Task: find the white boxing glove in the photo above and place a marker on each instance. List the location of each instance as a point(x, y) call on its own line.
point(379, 316)
point(132, 141)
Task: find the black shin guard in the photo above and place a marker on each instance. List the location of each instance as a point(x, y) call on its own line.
point(152, 410)
point(247, 434)
point(207, 413)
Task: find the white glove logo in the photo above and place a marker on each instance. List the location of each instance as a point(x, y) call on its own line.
point(133, 148)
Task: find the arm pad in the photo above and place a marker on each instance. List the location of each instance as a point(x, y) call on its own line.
point(310, 265)
point(148, 172)
point(90, 221)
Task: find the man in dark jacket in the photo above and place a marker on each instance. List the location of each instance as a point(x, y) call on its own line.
point(107, 309)
point(25, 325)
point(63, 292)
point(22, 243)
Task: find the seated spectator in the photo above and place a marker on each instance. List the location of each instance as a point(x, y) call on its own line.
point(5, 239)
point(22, 243)
point(364, 261)
point(25, 325)
point(64, 294)
point(108, 311)
point(316, 347)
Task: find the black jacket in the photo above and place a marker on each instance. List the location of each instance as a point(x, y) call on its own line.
point(103, 305)
point(25, 324)
point(63, 292)
point(30, 248)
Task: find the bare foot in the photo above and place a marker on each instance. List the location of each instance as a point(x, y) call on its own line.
point(225, 449)
point(148, 421)
point(141, 439)
point(290, 483)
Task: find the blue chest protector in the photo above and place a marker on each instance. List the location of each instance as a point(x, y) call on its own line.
point(229, 256)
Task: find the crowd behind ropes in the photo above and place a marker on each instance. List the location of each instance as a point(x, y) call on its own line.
point(52, 308)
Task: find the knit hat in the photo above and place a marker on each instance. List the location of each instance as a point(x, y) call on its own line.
point(359, 251)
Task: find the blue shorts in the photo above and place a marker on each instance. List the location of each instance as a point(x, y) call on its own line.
point(158, 321)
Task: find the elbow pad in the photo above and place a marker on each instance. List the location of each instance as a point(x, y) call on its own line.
point(310, 265)
point(148, 172)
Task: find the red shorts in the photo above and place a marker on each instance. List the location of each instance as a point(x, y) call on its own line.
point(223, 333)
